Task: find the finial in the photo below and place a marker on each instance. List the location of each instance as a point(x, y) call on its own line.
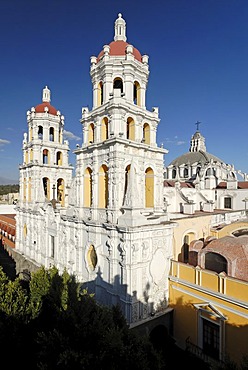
point(46, 97)
point(120, 29)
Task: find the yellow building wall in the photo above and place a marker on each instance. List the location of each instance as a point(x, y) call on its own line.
point(199, 227)
point(210, 280)
point(233, 305)
point(229, 229)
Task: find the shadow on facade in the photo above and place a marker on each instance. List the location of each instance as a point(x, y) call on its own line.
point(140, 316)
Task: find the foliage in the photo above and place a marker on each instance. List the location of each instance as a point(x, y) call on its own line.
point(6, 189)
point(52, 324)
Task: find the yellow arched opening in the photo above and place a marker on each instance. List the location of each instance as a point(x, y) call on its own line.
point(31, 154)
point(92, 258)
point(60, 192)
point(146, 134)
point(136, 93)
point(25, 230)
point(91, 133)
point(51, 133)
point(100, 94)
point(149, 188)
point(46, 187)
point(127, 170)
point(130, 129)
point(46, 156)
point(87, 187)
point(103, 187)
point(187, 239)
point(104, 129)
point(40, 132)
point(59, 159)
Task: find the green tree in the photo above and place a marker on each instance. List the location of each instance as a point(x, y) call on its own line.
point(64, 328)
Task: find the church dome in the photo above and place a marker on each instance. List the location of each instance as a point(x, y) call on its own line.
point(195, 157)
point(118, 48)
point(40, 108)
point(45, 106)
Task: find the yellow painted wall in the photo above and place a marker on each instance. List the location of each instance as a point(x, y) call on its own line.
point(229, 229)
point(197, 226)
point(183, 295)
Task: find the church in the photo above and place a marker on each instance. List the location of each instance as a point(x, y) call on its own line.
point(119, 220)
point(107, 224)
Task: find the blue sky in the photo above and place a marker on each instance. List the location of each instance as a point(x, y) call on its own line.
point(198, 57)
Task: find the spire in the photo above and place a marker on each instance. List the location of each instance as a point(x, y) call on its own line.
point(46, 96)
point(120, 29)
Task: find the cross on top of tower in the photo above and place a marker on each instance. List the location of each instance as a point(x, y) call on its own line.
point(197, 125)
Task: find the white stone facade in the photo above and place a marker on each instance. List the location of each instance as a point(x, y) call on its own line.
point(107, 225)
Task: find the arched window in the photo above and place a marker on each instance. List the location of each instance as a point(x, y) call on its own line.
point(92, 258)
point(46, 187)
point(146, 134)
point(118, 84)
point(126, 181)
point(103, 187)
point(59, 160)
point(51, 134)
point(130, 129)
point(40, 132)
point(185, 249)
point(45, 156)
point(149, 188)
point(60, 192)
point(104, 129)
point(100, 94)
point(87, 187)
point(31, 154)
point(186, 171)
point(215, 262)
point(91, 134)
point(174, 172)
point(136, 93)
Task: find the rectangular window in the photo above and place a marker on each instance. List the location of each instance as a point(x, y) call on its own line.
point(228, 203)
point(211, 339)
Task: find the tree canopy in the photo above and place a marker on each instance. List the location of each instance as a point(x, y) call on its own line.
point(49, 323)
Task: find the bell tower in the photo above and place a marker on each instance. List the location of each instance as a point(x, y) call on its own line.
point(45, 172)
point(118, 131)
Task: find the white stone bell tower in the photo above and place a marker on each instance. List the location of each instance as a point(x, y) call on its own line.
point(45, 172)
point(118, 131)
